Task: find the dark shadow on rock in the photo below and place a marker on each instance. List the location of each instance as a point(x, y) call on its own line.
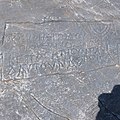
point(109, 104)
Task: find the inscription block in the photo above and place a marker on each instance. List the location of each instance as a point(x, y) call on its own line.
point(62, 47)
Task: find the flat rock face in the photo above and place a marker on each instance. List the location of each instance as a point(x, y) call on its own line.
point(57, 57)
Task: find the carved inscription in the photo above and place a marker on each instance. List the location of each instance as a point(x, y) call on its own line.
point(35, 53)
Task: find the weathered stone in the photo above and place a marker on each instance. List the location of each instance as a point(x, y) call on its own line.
point(57, 57)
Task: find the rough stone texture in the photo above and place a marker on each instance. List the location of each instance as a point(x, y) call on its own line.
point(57, 57)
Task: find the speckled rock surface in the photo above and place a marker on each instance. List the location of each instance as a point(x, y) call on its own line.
point(57, 57)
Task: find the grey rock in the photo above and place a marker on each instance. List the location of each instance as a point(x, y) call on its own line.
point(57, 57)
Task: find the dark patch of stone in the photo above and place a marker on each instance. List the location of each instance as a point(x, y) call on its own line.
point(109, 104)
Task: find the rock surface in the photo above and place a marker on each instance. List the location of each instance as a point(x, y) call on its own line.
point(57, 57)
